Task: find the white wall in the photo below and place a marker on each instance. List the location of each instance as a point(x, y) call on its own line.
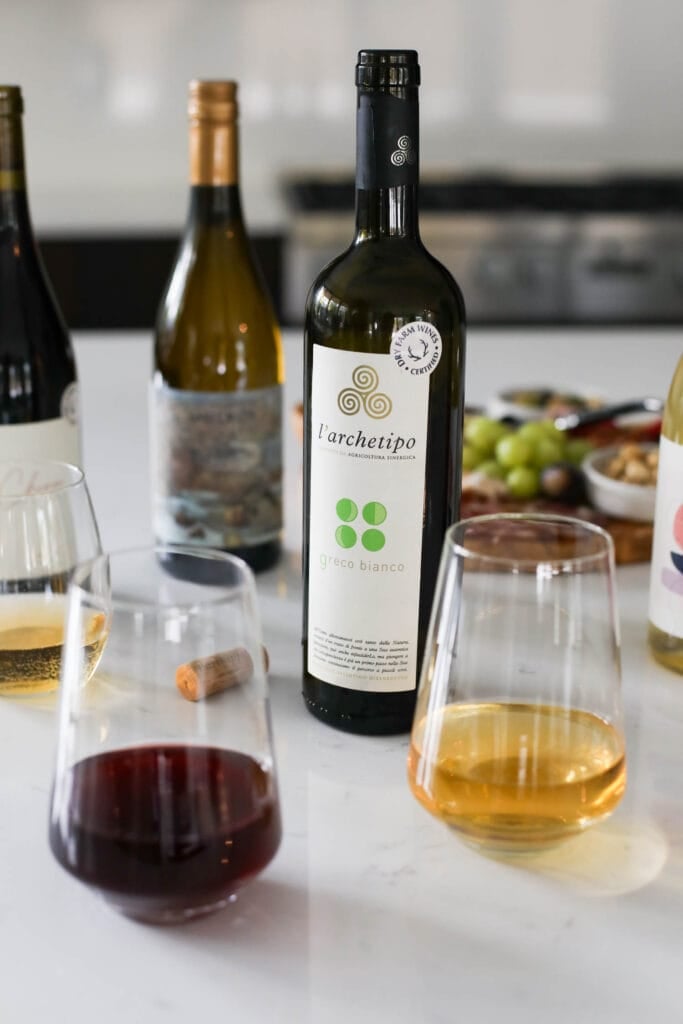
point(540, 85)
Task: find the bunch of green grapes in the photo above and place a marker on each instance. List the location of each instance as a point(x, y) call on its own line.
point(518, 456)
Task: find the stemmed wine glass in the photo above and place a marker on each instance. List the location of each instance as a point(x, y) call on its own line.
point(165, 798)
point(517, 740)
point(47, 526)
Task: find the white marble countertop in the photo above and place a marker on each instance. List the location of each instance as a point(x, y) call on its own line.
point(371, 911)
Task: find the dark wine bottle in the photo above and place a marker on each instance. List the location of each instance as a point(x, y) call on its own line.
point(38, 389)
point(217, 401)
point(384, 369)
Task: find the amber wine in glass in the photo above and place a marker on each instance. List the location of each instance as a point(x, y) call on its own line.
point(517, 742)
point(547, 771)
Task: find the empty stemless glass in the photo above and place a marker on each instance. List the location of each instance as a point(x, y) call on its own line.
point(165, 797)
point(517, 741)
point(47, 526)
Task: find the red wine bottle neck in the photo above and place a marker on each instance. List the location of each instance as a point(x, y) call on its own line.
point(14, 210)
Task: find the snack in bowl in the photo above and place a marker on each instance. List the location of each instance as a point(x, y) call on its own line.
point(621, 480)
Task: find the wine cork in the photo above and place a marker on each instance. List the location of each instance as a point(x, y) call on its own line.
point(204, 677)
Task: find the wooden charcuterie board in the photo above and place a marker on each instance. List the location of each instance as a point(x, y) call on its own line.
point(632, 540)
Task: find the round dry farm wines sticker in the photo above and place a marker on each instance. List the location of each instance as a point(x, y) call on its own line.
point(416, 348)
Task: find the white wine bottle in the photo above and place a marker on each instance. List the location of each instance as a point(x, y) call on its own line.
point(383, 396)
point(38, 389)
point(665, 633)
point(217, 394)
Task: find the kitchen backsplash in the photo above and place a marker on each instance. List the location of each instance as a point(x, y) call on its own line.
point(521, 85)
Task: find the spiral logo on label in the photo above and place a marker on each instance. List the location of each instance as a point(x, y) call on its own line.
point(365, 379)
point(405, 154)
point(364, 395)
point(350, 401)
point(378, 405)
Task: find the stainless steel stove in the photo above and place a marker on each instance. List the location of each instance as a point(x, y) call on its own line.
point(599, 251)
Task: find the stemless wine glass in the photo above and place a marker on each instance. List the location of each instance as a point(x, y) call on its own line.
point(165, 797)
point(517, 741)
point(47, 526)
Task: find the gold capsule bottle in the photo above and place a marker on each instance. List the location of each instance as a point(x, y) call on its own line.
point(218, 366)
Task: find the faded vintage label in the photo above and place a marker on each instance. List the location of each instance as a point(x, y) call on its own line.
point(217, 466)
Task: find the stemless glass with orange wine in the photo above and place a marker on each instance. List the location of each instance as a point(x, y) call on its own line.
point(517, 741)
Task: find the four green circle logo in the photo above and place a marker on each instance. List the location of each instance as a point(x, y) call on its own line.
point(373, 513)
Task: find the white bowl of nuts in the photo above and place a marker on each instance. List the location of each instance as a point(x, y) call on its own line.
point(622, 480)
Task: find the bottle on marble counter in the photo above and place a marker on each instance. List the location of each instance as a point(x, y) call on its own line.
point(384, 372)
point(665, 631)
point(218, 369)
point(38, 388)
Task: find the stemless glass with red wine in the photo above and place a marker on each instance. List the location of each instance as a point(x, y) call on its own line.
point(165, 797)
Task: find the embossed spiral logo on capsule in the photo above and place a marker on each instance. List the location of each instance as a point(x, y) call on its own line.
point(364, 395)
point(405, 154)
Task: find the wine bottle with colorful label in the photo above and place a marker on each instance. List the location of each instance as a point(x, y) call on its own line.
point(665, 634)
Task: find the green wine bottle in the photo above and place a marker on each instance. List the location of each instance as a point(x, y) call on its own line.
point(38, 389)
point(384, 370)
point(217, 396)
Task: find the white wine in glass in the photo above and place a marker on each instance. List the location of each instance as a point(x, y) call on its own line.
point(47, 526)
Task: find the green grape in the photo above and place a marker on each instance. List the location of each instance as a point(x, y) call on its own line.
point(547, 451)
point(533, 431)
point(513, 450)
point(471, 457)
point(577, 449)
point(484, 433)
point(522, 482)
point(491, 469)
point(551, 430)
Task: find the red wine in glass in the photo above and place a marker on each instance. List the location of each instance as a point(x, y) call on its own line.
point(166, 831)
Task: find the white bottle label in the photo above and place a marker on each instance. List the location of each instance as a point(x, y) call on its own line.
point(217, 466)
point(367, 481)
point(666, 575)
point(57, 439)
